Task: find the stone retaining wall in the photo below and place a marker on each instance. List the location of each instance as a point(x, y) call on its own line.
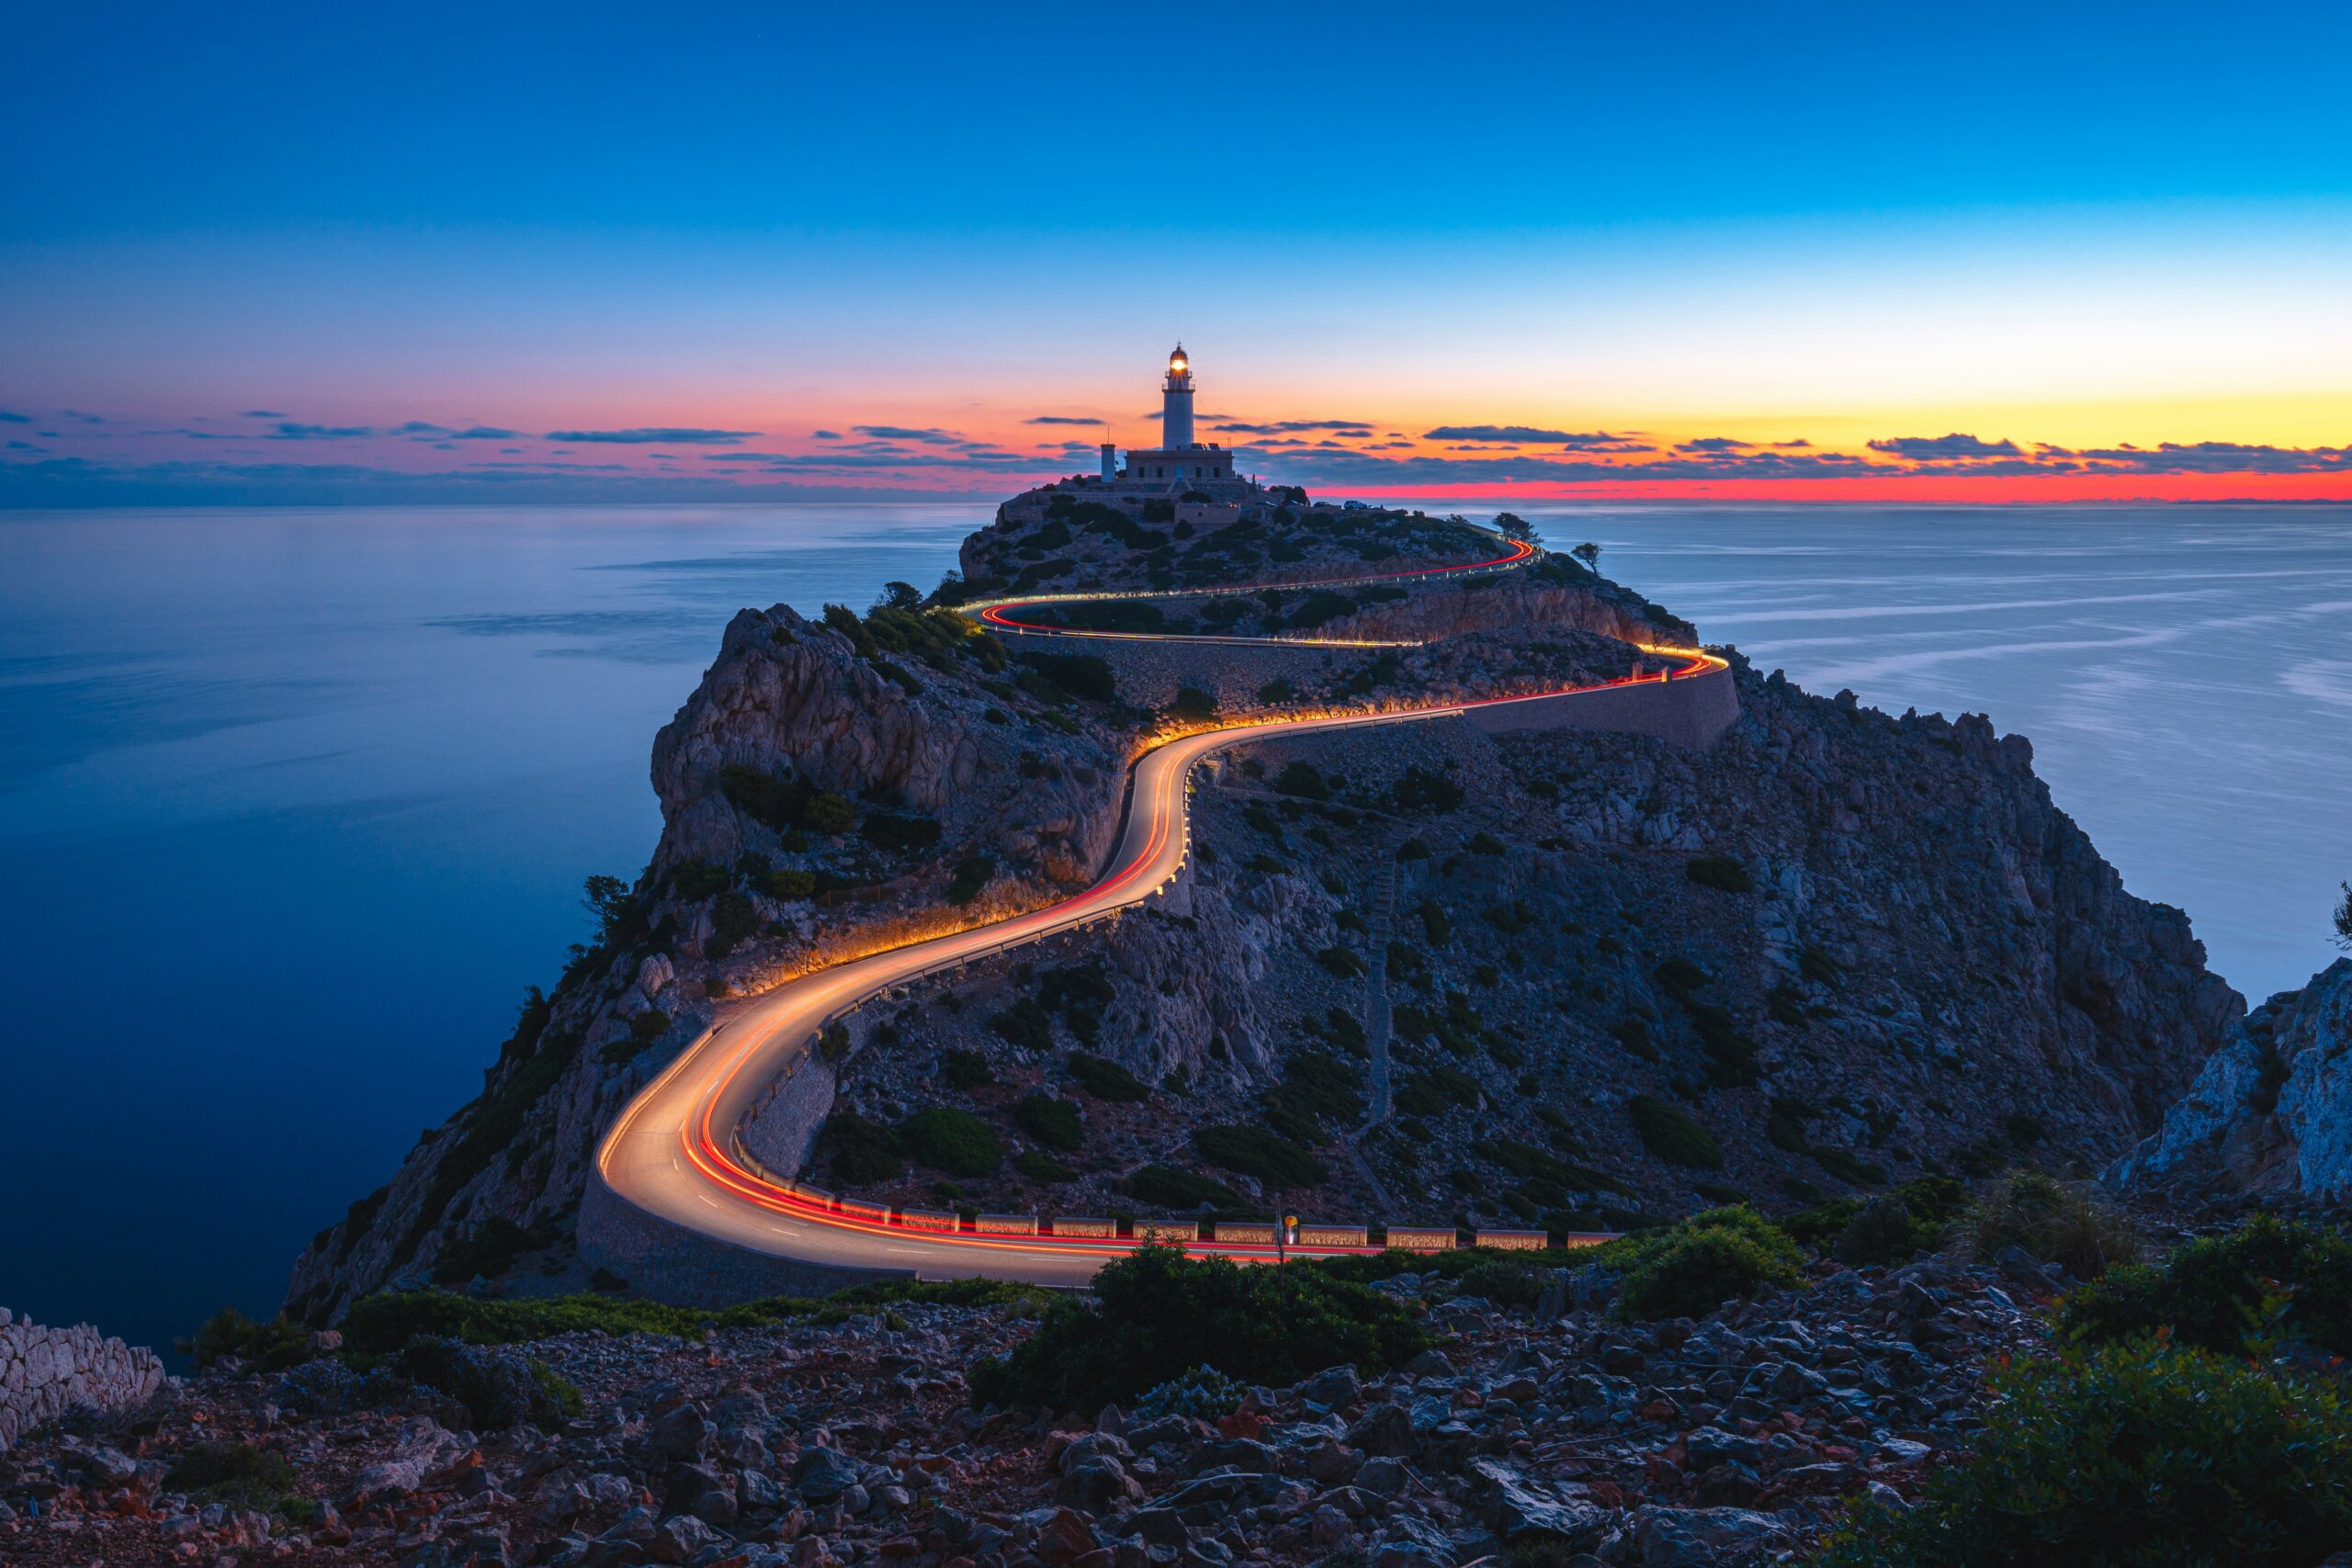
point(1691, 711)
point(44, 1372)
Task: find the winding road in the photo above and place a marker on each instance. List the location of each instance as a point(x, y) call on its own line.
point(675, 1152)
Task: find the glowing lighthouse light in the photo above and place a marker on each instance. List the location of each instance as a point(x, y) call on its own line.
point(1176, 403)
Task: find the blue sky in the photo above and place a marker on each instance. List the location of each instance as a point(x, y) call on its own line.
point(2080, 226)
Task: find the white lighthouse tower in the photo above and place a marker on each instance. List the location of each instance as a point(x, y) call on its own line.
point(1176, 402)
point(1181, 465)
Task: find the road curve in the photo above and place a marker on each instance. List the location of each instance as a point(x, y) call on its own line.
point(675, 1152)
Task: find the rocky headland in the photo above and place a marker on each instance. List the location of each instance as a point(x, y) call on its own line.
point(1553, 979)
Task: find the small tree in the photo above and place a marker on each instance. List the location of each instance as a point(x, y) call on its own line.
point(1511, 525)
point(898, 596)
point(1588, 553)
point(2343, 917)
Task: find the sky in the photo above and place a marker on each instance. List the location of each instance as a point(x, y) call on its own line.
point(303, 254)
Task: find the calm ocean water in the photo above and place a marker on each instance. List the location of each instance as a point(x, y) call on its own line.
point(294, 804)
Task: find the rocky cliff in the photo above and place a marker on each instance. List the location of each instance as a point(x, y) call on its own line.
point(1554, 978)
point(2270, 1114)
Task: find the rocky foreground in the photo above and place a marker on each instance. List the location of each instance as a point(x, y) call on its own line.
point(1732, 1439)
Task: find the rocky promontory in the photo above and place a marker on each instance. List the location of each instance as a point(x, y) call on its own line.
point(1427, 972)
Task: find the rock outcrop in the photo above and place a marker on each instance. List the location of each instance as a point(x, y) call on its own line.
point(2270, 1113)
point(44, 1372)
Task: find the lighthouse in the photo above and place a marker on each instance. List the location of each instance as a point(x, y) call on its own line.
point(1176, 402)
point(1180, 465)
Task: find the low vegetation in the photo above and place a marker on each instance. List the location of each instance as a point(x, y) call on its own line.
point(2056, 1222)
point(1158, 1315)
point(1689, 1268)
point(2268, 1281)
point(2126, 1456)
point(1672, 1136)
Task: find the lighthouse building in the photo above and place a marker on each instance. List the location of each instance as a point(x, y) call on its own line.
point(1178, 463)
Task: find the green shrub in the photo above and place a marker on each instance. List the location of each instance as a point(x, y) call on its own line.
point(1165, 1187)
point(498, 1389)
point(1190, 702)
point(1317, 1090)
point(972, 873)
point(692, 881)
point(1678, 976)
point(1421, 790)
point(1158, 1314)
point(951, 1142)
point(1079, 674)
point(1106, 1080)
point(1025, 1023)
point(2126, 1457)
point(1673, 1136)
point(1303, 780)
point(1277, 691)
point(491, 1250)
point(1634, 1034)
point(966, 1071)
point(733, 919)
point(263, 1347)
point(1847, 1168)
point(2057, 1222)
point(1689, 1268)
point(241, 1476)
point(1340, 961)
point(1053, 1122)
point(1915, 1217)
point(2270, 1278)
point(1261, 1152)
point(1432, 1091)
point(888, 831)
point(1508, 1281)
point(860, 1150)
point(1722, 872)
point(1040, 1167)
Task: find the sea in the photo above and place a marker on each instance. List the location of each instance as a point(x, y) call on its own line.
point(294, 804)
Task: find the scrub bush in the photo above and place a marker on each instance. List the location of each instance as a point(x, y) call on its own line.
point(2128, 1456)
point(1261, 1152)
point(1689, 1268)
point(2270, 1276)
point(1053, 1122)
point(1673, 1136)
point(2054, 1221)
point(1158, 1315)
point(951, 1142)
